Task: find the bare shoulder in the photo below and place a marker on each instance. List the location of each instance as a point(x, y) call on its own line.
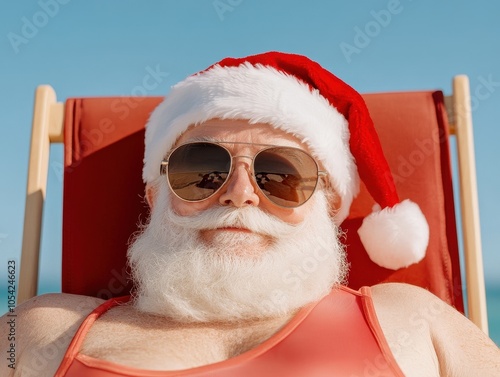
point(53, 313)
point(394, 300)
point(394, 292)
point(460, 348)
point(58, 301)
point(41, 330)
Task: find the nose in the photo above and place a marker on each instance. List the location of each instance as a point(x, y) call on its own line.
point(240, 190)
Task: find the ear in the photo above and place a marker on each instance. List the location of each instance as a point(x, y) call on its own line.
point(334, 200)
point(334, 205)
point(151, 194)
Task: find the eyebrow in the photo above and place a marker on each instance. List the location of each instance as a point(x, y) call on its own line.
point(197, 139)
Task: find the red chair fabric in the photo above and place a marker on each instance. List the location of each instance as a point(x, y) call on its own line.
point(104, 193)
point(414, 133)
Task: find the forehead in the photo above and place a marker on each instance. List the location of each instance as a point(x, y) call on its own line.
point(239, 131)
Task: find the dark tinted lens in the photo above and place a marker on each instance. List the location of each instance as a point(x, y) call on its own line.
point(198, 170)
point(288, 176)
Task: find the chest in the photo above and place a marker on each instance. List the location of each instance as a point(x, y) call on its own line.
point(155, 344)
point(332, 337)
point(340, 343)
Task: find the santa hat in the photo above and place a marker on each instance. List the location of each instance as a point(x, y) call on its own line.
point(297, 95)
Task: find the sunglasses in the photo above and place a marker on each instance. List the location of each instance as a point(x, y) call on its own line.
point(196, 171)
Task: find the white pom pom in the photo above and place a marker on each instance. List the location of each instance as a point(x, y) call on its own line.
point(395, 237)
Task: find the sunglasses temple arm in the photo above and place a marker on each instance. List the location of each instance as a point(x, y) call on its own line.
point(163, 167)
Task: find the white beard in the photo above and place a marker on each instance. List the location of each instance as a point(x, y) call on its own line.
point(179, 276)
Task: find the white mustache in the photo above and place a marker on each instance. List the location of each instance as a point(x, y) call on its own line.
point(251, 218)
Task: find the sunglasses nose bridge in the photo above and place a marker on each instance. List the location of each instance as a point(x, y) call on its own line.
point(248, 166)
point(243, 156)
point(240, 187)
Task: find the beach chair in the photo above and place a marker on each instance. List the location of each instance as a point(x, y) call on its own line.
point(103, 197)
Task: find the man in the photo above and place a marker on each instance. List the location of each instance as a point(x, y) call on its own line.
point(250, 167)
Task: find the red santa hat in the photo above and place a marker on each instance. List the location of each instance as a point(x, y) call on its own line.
point(298, 96)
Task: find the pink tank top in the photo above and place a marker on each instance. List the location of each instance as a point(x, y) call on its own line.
point(337, 336)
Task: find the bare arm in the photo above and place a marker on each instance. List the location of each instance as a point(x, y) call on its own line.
point(436, 337)
point(462, 348)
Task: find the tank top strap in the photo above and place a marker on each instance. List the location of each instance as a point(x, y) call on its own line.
point(79, 337)
point(372, 319)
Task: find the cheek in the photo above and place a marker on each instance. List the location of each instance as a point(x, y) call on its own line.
point(293, 218)
point(288, 215)
point(187, 208)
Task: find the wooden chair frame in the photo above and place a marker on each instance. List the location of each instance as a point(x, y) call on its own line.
point(48, 120)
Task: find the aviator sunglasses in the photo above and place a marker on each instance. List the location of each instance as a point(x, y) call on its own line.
point(287, 176)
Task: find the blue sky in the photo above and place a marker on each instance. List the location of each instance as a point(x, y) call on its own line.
point(99, 48)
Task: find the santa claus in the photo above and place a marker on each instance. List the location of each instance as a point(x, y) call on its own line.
point(250, 167)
